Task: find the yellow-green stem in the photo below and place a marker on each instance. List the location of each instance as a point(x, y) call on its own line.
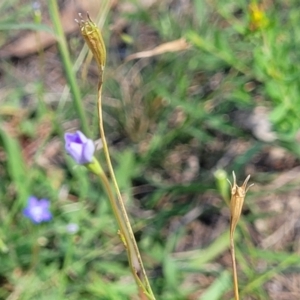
point(134, 256)
point(119, 219)
point(235, 278)
point(96, 168)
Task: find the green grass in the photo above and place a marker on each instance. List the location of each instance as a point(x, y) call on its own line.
point(172, 121)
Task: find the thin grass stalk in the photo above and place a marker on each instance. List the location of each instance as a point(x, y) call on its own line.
point(234, 270)
point(105, 182)
point(131, 245)
point(64, 53)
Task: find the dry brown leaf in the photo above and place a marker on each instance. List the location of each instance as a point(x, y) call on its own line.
point(174, 46)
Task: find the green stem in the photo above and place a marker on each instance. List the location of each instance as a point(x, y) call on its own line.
point(134, 256)
point(64, 52)
point(95, 167)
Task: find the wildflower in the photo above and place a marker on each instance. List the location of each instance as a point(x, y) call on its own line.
point(37, 210)
point(79, 147)
point(258, 18)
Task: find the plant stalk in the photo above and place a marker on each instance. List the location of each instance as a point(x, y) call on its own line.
point(134, 256)
point(235, 278)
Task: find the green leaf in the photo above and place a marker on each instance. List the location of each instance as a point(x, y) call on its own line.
point(218, 287)
point(26, 26)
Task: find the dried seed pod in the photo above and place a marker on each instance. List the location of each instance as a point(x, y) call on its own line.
point(238, 194)
point(93, 39)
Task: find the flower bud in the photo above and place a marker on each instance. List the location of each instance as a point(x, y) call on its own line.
point(94, 40)
point(79, 147)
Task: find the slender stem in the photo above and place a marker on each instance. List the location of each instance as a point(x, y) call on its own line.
point(64, 53)
point(235, 279)
point(133, 252)
point(120, 222)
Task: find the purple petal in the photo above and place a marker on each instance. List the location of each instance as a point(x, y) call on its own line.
point(46, 216)
point(44, 203)
point(79, 147)
point(32, 201)
point(75, 150)
point(37, 210)
point(69, 137)
point(80, 137)
point(88, 151)
point(26, 212)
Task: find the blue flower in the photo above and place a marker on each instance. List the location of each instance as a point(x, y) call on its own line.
point(37, 210)
point(79, 147)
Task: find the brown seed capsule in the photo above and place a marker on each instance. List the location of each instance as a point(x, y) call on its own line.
point(238, 194)
point(94, 40)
